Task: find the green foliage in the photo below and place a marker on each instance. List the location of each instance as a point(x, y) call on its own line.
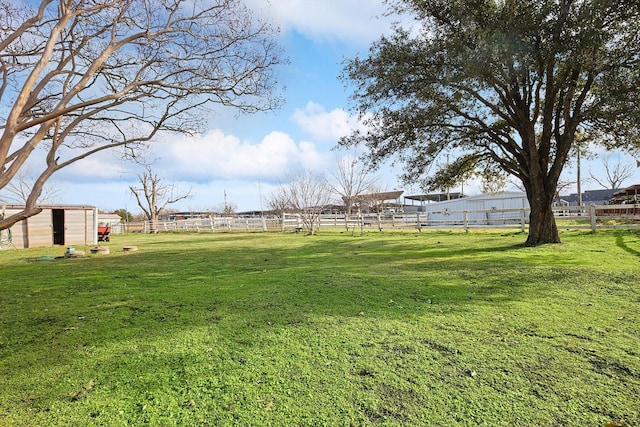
point(436, 328)
point(124, 215)
point(503, 84)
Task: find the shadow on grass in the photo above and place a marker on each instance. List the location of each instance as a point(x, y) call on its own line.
point(148, 321)
point(286, 284)
point(620, 242)
point(259, 280)
point(171, 287)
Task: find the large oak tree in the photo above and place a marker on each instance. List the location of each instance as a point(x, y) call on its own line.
point(81, 76)
point(503, 85)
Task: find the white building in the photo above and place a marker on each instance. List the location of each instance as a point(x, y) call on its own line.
point(481, 209)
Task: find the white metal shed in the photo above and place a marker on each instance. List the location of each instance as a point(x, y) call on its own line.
point(63, 225)
point(488, 207)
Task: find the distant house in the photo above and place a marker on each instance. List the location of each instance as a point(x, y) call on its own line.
point(590, 197)
point(63, 225)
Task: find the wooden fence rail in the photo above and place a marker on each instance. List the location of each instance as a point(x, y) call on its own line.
point(578, 217)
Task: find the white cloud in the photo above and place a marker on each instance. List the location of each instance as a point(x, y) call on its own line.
point(208, 164)
point(97, 167)
point(215, 155)
point(359, 21)
point(101, 166)
point(323, 125)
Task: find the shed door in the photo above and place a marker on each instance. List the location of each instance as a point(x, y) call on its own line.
point(58, 226)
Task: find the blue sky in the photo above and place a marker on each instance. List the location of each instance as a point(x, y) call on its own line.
point(245, 157)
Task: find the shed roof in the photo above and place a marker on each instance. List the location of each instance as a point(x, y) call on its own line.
point(70, 207)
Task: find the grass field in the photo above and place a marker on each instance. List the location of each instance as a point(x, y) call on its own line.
point(394, 329)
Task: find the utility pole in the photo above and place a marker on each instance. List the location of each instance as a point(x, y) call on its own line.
point(448, 195)
point(578, 186)
point(260, 195)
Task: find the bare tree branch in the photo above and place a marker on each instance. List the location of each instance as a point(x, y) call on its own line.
point(82, 77)
point(308, 195)
point(615, 174)
point(20, 188)
point(153, 195)
point(350, 181)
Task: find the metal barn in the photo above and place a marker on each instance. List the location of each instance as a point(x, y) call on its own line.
point(487, 208)
point(63, 225)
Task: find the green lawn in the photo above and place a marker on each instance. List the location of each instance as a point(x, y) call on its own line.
point(397, 329)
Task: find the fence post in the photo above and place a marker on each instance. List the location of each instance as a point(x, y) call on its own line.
point(592, 214)
point(264, 224)
point(466, 221)
point(419, 223)
point(522, 220)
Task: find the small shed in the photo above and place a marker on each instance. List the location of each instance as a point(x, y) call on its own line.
point(63, 225)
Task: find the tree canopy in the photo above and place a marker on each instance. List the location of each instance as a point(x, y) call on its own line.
point(78, 77)
point(502, 85)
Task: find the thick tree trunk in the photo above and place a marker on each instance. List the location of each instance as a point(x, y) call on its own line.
point(542, 223)
point(153, 224)
point(30, 207)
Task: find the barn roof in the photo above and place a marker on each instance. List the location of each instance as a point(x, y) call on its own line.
point(634, 189)
point(434, 197)
point(387, 195)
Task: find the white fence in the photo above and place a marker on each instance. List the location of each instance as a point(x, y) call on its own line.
point(210, 225)
point(588, 217)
